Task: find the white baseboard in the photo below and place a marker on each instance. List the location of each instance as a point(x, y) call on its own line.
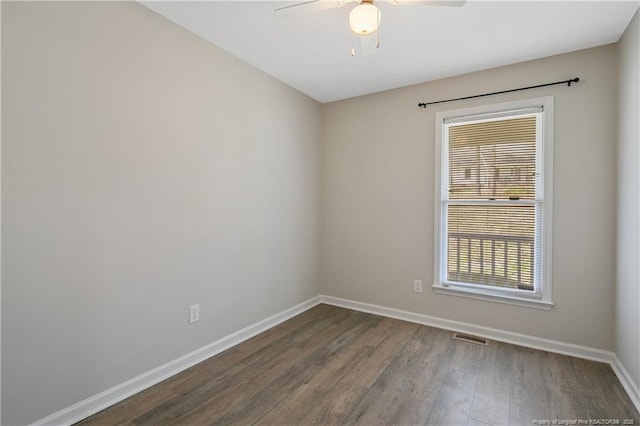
point(555, 346)
point(490, 333)
point(124, 390)
point(632, 388)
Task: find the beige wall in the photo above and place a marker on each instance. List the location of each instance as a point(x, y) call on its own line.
point(143, 170)
point(377, 201)
point(627, 301)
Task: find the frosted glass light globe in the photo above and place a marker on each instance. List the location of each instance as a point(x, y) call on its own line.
point(364, 19)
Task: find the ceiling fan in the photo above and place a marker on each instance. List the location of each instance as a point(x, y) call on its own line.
point(365, 17)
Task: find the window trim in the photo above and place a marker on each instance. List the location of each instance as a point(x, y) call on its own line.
point(543, 299)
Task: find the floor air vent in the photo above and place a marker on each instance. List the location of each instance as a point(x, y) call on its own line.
point(471, 339)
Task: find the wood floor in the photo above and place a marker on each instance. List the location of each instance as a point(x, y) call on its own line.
point(331, 365)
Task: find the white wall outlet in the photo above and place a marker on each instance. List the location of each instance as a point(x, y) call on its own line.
point(417, 286)
point(194, 313)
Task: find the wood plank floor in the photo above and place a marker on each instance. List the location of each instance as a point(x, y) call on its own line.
point(330, 365)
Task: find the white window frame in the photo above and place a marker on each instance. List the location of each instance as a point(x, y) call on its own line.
point(541, 297)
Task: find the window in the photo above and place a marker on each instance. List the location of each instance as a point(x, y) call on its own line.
point(493, 193)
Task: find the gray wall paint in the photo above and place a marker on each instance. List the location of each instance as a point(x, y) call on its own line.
point(627, 308)
point(143, 170)
point(377, 203)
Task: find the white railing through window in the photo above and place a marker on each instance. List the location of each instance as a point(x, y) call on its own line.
point(497, 260)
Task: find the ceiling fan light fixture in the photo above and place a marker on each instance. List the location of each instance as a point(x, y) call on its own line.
point(365, 18)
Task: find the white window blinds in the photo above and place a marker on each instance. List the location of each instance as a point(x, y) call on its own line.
point(492, 200)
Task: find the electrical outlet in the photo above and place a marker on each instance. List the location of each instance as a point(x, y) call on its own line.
point(194, 313)
point(417, 286)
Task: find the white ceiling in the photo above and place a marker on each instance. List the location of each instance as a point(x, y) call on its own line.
point(310, 50)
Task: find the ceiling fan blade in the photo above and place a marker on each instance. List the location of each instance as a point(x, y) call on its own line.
point(311, 6)
point(451, 3)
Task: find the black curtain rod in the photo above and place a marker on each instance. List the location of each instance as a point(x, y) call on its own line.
point(567, 82)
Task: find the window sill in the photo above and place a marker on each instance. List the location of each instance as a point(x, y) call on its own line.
point(490, 296)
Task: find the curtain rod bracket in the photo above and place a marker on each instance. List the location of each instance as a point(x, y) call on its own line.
point(568, 82)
